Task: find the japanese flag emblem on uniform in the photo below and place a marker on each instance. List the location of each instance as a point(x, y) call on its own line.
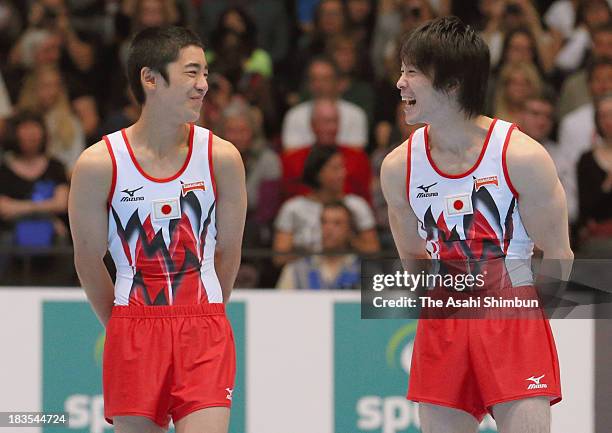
point(457, 205)
point(166, 209)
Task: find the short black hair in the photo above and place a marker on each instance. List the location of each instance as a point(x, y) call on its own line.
point(24, 117)
point(342, 205)
point(154, 48)
point(451, 53)
point(327, 60)
point(316, 159)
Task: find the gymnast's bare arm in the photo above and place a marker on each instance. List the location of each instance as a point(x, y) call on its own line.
point(230, 212)
point(88, 212)
point(402, 219)
point(541, 200)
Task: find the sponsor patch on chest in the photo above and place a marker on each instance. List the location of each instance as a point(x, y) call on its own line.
point(165, 209)
point(457, 205)
point(489, 180)
point(193, 186)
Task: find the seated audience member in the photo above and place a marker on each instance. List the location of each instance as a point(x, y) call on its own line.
point(353, 84)
point(594, 173)
point(298, 224)
point(590, 15)
point(233, 49)
point(323, 83)
point(325, 124)
point(44, 92)
point(577, 129)
point(516, 83)
point(336, 268)
point(538, 120)
point(33, 187)
point(241, 125)
point(575, 88)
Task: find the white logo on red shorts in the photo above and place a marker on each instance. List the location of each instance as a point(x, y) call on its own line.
point(536, 382)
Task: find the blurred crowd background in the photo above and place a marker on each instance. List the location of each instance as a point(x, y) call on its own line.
point(305, 89)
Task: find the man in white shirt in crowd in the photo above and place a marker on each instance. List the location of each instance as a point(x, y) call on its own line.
point(323, 83)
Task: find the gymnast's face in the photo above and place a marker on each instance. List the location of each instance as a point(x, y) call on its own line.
point(421, 100)
point(187, 84)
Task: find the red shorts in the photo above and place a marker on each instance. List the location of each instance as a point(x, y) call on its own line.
point(473, 364)
point(167, 361)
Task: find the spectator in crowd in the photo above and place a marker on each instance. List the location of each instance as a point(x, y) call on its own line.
point(50, 39)
point(361, 18)
point(337, 268)
point(595, 183)
point(519, 46)
point(323, 83)
point(500, 18)
point(352, 80)
point(331, 20)
point(516, 83)
point(10, 26)
point(44, 92)
point(590, 15)
point(234, 51)
point(325, 121)
point(270, 17)
point(33, 186)
point(298, 227)
point(394, 19)
point(577, 129)
point(538, 120)
point(575, 88)
point(241, 125)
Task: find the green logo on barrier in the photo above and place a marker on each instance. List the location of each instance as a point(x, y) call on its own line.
point(371, 372)
point(73, 345)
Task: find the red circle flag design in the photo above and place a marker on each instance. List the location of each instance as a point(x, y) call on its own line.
point(166, 209)
point(458, 205)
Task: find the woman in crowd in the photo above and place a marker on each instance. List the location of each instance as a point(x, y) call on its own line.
point(44, 92)
point(298, 225)
point(594, 174)
point(516, 83)
point(33, 186)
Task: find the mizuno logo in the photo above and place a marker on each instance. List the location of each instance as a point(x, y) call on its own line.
point(536, 382)
point(130, 195)
point(426, 192)
point(132, 192)
point(426, 188)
